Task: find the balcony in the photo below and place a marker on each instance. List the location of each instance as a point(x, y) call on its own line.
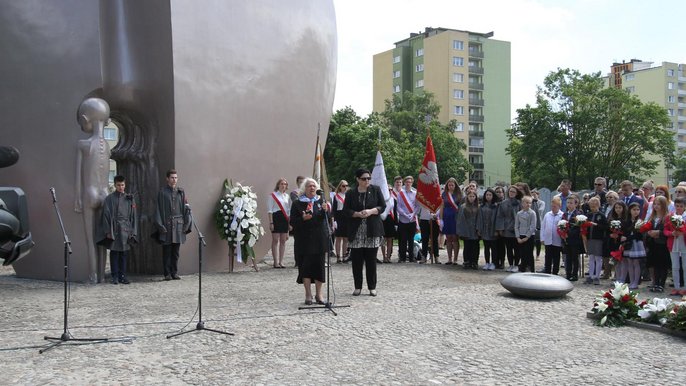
point(480, 86)
point(473, 149)
point(476, 118)
point(476, 133)
point(476, 102)
point(476, 70)
point(476, 54)
point(478, 166)
point(681, 92)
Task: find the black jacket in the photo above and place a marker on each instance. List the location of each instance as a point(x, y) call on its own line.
point(310, 236)
point(355, 202)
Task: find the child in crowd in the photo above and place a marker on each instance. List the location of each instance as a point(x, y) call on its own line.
point(618, 237)
point(635, 249)
point(452, 195)
point(676, 245)
point(499, 259)
point(525, 231)
point(505, 223)
point(658, 255)
point(574, 244)
point(550, 238)
point(485, 226)
point(466, 228)
point(595, 241)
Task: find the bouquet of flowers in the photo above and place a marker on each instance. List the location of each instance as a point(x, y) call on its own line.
point(563, 228)
point(615, 306)
point(644, 227)
point(583, 223)
point(665, 312)
point(236, 219)
point(616, 227)
point(676, 320)
point(677, 222)
point(639, 224)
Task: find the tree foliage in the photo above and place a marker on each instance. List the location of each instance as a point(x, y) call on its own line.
point(579, 129)
point(353, 141)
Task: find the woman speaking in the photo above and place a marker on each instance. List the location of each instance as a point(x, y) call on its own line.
point(311, 243)
point(363, 204)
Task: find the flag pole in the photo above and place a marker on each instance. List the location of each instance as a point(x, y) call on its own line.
point(316, 142)
point(427, 119)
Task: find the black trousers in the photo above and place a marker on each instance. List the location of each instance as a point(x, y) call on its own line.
point(425, 226)
point(490, 250)
point(470, 252)
point(499, 253)
point(526, 254)
point(118, 264)
point(572, 261)
point(660, 259)
point(364, 257)
point(512, 251)
point(406, 240)
point(170, 258)
point(552, 259)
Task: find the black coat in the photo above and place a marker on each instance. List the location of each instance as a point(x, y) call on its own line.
point(309, 236)
point(355, 202)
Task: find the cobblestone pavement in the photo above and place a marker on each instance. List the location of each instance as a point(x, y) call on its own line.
point(430, 324)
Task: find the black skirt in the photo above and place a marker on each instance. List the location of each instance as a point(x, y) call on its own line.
point(311, 267)
point(390, 227)
point(280, 223)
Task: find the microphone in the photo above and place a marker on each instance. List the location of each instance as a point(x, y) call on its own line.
point(9, 156)
point(54, 197)
point(320, 192)
point(187, 206)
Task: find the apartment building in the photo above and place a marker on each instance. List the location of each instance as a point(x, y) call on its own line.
point(469, 74)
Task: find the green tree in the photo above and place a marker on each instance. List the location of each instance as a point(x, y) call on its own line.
point(580, 129)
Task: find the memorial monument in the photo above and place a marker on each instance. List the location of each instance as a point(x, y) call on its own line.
point(213, 89)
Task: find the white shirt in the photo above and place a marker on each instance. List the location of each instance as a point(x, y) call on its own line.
point(549, 234)
point(285, 200)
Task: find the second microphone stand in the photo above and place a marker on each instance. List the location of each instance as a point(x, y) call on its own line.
point(201, 324)
point(66, 335)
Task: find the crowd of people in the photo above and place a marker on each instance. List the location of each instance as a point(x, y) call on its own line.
point(634, 235)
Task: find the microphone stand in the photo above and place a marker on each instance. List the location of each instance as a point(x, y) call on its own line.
point(66, 335)
point(201, 324)
point(328, 305)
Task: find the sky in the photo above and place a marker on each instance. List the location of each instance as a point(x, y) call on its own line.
point(586, 35)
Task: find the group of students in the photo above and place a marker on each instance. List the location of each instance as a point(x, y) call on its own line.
point(632, 232)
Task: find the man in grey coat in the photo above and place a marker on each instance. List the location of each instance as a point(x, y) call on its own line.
point(119, 228)
point(173, 222)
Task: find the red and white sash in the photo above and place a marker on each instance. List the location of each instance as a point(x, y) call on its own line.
point(410, 209)
point(278, 202)
point(340, 199)
point(451, 201)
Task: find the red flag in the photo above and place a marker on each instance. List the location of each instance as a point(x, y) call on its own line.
point(428, 188)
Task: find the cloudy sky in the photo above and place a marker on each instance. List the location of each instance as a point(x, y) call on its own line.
point(587, 35)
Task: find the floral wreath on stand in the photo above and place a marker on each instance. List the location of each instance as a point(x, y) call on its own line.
point(237, 222)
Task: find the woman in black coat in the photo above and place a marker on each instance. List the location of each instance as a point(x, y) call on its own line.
point(308, 220)
point(363, 204)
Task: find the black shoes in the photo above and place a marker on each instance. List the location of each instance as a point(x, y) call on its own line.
point(176, 277)
point(167, 277)
point(124, 280)
point(114, 280)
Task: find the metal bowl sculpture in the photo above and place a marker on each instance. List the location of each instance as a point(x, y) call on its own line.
point(537, 285)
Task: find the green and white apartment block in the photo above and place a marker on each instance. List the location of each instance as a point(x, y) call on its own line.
point(469, 74)
point(663, 84)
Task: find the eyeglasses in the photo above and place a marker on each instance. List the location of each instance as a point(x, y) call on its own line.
point(598, 184)
point(365, 178)
point(344, 186)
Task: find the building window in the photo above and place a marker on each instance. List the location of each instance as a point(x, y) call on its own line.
point(458, 61)
point(458, 45)
point(631, 89)
point(458, 78)
point(476, 142)
point(420, 83)
point(458, 94)
point(459, 126)
point(396, 74)
point(419, 52)
point(670, 112)
point(670, 98)
point(110, 134)
point(396, 88)
point(458, 110)
point(396, 59)
point(419, 67)
point(670, 72)
point(629, 77)
point(670, 85)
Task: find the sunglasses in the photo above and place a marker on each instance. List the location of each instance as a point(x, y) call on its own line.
point(598, 184)
point(365, 178)
point(344, 186)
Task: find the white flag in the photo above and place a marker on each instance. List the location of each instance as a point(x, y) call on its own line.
point(379, 179)
point(317, 169)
